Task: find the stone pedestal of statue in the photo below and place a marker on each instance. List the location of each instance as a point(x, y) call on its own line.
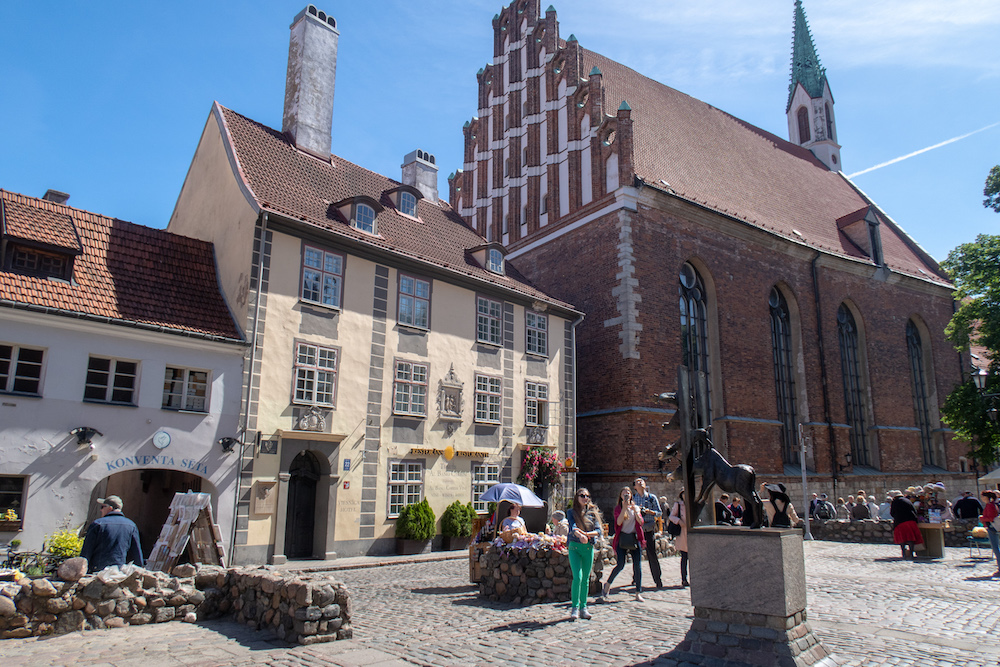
point(748, 589)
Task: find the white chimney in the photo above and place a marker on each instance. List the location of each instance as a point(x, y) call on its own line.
point(312, 73)
point(421, 172)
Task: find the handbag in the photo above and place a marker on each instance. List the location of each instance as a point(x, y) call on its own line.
point(673, 529)
point(628, 541)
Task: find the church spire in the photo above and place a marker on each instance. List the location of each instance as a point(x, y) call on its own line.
point(810, 103)
point(806, 69)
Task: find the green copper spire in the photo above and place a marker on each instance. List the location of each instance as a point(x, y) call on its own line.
point(806, 68)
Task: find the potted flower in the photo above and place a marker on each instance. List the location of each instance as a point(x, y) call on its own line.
point(10, 522)
point(540, 469)
point(415, 528)
point(456, 525)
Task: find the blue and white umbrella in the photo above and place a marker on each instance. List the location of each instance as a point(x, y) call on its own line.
point(514, 493)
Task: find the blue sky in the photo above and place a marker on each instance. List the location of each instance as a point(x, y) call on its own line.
point(107, 100)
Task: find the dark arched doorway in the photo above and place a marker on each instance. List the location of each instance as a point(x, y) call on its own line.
point(303, 476)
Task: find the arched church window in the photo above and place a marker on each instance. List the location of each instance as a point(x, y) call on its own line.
point(921, 406)
point(803, 116)
point(829, 124)
point(694, 341)
point(784, 375)
point(854, 385)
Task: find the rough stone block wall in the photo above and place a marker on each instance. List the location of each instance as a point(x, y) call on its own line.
point(299, 609)
point(530, 576)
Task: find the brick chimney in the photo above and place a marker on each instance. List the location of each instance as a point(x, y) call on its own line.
point(421, 172)
point(312, 73)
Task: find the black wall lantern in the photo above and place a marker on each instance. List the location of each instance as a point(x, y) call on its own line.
point(84, 434)
point(228, 444)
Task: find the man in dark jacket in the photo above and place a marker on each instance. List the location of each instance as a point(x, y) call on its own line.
point(113, 539)
point(968, 507)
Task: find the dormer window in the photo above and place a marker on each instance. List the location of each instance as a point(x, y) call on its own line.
point(38, 263)
point(364, 218)
point(494, 261)
point(407, 204)
point(876, 241)
point(41, 244)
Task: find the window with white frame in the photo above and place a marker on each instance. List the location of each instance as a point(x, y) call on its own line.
point(315, 375)
point(111, 381)
point(414, 301)
point(406, 485)
point(488, 321)
point(408, 204)
point(494, 258)
point(13, 493)
point(411, 389)
point(484, 475)
point(489, 391)
point(21, 369)
point(185, 389)
point(536, 336)
point(536, 412)
point(322, 276)
point(364, 218)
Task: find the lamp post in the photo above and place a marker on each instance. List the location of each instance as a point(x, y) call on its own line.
point(979, 377)
point(805, 490)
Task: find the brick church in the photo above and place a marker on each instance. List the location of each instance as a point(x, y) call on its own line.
point(687, 235)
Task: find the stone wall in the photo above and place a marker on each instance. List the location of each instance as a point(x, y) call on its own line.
point(529, 576)
point(871, 531)
point(297, 608)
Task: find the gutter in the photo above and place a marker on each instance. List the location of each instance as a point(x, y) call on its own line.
point(114, 321)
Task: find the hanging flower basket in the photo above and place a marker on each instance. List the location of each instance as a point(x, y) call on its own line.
point(539, 467)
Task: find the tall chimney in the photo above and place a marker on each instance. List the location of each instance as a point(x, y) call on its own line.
point(312, 73)
point(421, 172)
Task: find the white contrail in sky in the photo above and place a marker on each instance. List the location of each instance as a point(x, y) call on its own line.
point(922, 150)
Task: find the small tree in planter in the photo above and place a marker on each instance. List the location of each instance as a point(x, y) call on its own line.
point(456, 525)
point(415, 528)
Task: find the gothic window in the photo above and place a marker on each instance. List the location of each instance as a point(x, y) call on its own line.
point(921, 406)
point(829, 124)
point(803, 116)
point(694, 341)
point(784, 377)
point(854, 386)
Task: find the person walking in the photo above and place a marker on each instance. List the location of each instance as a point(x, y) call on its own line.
point(628, 540)
point(651, 511)
point(113, 539)
point(584, 532)
point(678, 515)
point(991, 509)
point(905, 532)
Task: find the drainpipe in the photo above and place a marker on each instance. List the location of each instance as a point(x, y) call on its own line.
point(249, 384)
point(822, 371)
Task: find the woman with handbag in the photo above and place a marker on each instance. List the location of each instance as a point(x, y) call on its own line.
point(991, 517)
point(678, 528)
point(584, 532)
point(628, 539)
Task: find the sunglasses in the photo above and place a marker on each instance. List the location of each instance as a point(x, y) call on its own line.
point(583, 495)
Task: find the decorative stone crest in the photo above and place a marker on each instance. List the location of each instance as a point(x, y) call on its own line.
point(536, 435)
point(313, 419)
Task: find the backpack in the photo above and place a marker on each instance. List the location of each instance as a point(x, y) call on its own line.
point(824, 511)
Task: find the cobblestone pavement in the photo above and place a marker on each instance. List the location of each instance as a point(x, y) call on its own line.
point(867, 606)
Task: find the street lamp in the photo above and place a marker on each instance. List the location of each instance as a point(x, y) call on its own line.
point(979, 376)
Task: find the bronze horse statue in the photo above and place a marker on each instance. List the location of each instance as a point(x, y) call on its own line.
point(716, 471)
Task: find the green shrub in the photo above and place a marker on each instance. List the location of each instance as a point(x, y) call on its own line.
point(64, 544)
point(14, 544)
point(457, 520)
point(416, 522)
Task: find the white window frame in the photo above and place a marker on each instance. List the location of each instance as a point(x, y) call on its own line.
point(314, 378)
point(408, 204)
point(536, 404)
point(362, 222)
point(410, 390)
point(20, 501)
point(410, 293)
point(13, 370)
point(331, 268)
point(489, 321)
point(494, 258)
point(406, 485)
point(115, 375)
point(186, 389)
point(536, 333)
point(489, 398)
point(484, 475)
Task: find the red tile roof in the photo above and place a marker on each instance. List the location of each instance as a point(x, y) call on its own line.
point(301, 187)
point(126, 272)
point(728, 165)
